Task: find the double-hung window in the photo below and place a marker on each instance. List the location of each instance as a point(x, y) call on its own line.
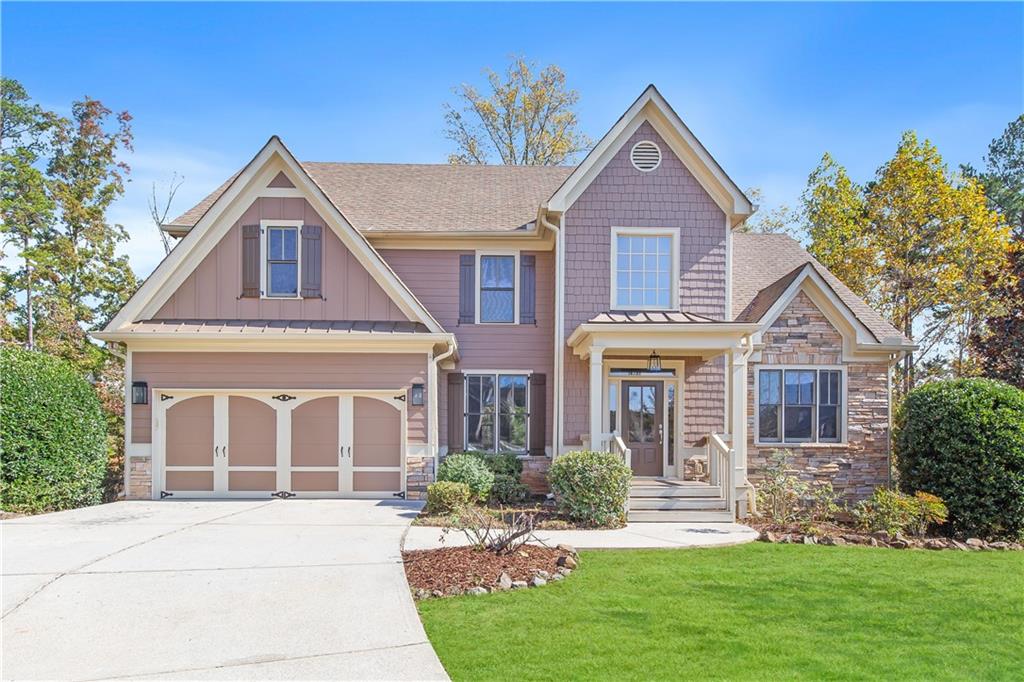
point(644, 269)
point(496, 412)
point(282, 252)
point(497, 288)
point(799, 405)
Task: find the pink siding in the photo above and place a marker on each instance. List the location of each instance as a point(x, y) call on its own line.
point(433, 277)
point(212, 291)
point(279, 370)
point(621, 196)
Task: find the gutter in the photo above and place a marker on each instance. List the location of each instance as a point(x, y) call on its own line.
point(435, 373)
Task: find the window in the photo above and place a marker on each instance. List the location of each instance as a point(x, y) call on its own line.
point(282, 261)
point(497, 289)
point(613, 406)
point(496, 412)
point(644, 271)
point(799, 405)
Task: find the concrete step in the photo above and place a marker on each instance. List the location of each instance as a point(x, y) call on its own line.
point(675, 503)
point(675, 491)
point(682, 516)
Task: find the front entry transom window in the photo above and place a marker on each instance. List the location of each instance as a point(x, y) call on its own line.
point(283, 261)
point(644, 272)
point(496, 412)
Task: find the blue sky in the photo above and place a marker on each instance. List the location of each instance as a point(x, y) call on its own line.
point(767, 87)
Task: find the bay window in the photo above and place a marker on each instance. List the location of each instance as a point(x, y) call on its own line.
point(799, 405)
point(496, 412)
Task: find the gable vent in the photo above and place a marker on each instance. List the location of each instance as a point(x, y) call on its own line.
point(646, 156)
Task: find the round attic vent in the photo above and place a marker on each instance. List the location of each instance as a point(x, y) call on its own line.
point(646, 156)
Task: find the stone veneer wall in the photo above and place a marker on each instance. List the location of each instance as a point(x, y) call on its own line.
point(140, 478)
point(803, 336)
point(419, 473)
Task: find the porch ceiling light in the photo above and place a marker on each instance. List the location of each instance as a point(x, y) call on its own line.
point(654, 362)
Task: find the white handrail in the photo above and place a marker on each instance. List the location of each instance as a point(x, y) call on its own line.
point(722, 460)
point(618, 446)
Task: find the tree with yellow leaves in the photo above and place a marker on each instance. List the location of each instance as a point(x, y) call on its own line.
point(526, 119)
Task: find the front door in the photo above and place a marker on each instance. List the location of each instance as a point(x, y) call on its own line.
point(643, 425)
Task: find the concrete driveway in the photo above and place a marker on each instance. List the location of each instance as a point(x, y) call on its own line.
point(282, 589)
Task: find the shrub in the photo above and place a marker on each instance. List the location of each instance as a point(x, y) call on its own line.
point(784, 497)
point(896, 512)
point(53, 449)
point(591, 487)
point(446, 497)
point(504, 463)
point(509, 489)
point(964, 441)
point(468, 468)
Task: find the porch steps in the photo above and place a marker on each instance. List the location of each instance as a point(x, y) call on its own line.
point(674, 501)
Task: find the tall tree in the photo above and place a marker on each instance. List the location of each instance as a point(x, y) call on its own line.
point(836, 221)
point(26, 209)
point(87, 280)
point(160, 209)
point(922, 246)
point(526, 118)
point(779, 220)
point(998, 345)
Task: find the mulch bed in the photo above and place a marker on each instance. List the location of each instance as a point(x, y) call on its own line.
point(835, 534)
point(453, 570)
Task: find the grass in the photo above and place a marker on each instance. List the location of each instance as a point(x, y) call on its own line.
point(756, 611)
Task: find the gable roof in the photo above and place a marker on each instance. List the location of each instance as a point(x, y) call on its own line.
point(650, 106)
point(240, 191)
point(764, 266)
point(396, 197)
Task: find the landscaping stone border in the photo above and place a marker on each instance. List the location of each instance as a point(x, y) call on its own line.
point(883, 539)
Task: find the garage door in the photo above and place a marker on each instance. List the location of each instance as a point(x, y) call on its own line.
point(294, 443)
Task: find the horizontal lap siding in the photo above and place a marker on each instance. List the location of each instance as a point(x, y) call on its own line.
point(212, 290)
point(433, 276)
point(296, 371)
point(621, 196)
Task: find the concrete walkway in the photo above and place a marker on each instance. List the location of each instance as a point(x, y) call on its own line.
point(633, 536)
point(296, 589)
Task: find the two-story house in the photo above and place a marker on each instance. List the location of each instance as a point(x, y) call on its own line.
point(333, 329)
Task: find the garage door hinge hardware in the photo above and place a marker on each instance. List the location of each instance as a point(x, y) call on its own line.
point(164, 396)
point(164, 493)
point(401, 495)
point(400, 397)
point(283, 494)
point(284, 397)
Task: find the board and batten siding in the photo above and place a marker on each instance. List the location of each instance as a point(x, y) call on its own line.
point(622, 196)
point(212, 291)
point(294, 371)
point(433, 276)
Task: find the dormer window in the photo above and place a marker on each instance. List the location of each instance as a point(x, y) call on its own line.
point(281, 258)
point(645, 265)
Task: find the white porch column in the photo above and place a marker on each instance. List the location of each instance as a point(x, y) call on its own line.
point(596, 398)
point(738, 411)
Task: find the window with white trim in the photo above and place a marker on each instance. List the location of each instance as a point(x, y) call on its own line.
point(497, 415)
point(643, 269)
point(282, 251)
point(497, 287)
point(799, 405)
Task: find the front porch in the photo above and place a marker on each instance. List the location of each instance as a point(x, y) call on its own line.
point(687, 452)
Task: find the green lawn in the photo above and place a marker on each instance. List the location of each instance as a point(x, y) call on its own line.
point(757, 611)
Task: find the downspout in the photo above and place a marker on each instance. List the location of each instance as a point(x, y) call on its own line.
point(748, 341)
point(435, 366)
point(558, 358)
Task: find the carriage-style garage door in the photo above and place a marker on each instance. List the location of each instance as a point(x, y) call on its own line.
point(259, 443)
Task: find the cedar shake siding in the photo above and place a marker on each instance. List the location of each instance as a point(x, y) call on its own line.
point(622, 196)
point(802, 335)
point(328, 371)
point(213, 290)
point(433, 277)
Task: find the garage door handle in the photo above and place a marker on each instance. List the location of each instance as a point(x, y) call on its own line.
point(216, 451)
point(350, 452)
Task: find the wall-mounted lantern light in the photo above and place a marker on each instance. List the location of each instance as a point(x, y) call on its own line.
point(654, 362)
point(140, 393)
point(417, 394)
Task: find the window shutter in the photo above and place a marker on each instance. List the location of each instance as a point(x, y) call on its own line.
point(527, 290)
point(456, 411)
point(538, 413)
point(467, 289)
point(312, 260)
point(250, 261)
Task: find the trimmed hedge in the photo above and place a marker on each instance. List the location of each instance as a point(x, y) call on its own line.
point(591, 487)
point(53, 449)
point(466, 467)
point(446, 497)
point(963, 440)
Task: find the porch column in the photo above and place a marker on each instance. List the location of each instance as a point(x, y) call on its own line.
point(596, 398)
point(738, 406)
